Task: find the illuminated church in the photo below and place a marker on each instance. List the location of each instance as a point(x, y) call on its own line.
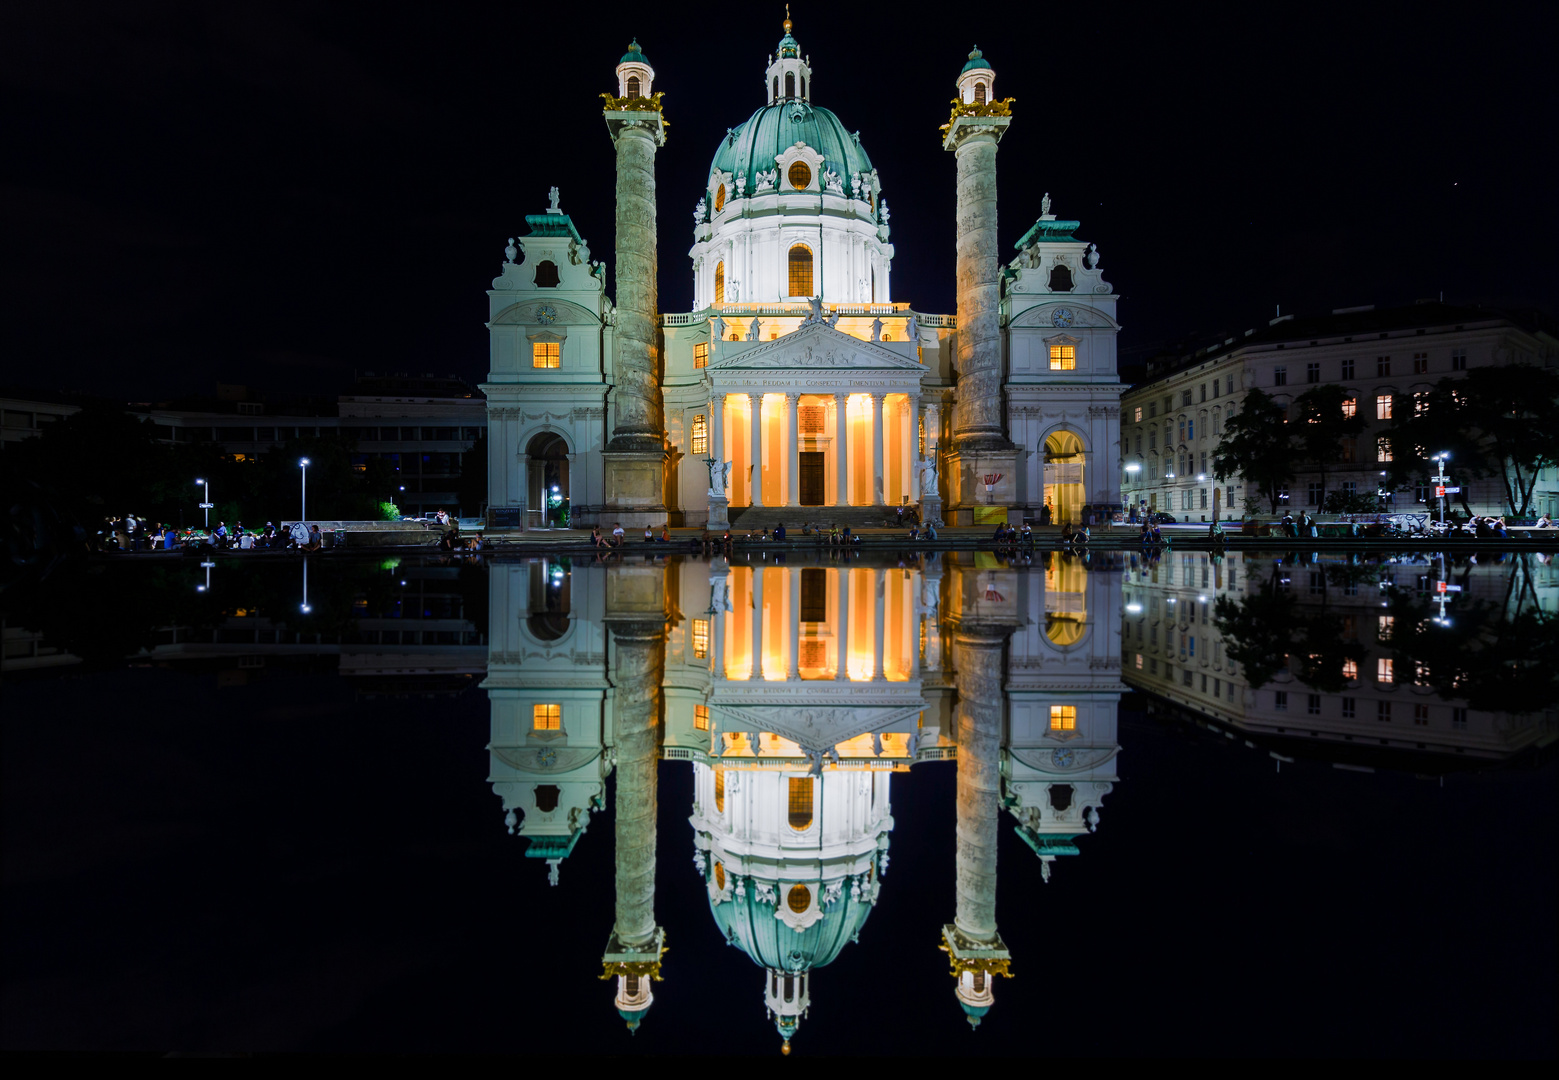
point(799, 388)
point(797, 695)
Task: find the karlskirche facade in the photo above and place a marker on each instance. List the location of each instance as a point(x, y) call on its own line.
point(799, 389)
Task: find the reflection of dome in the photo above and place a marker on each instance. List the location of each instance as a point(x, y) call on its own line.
point(750, 923)
point(776, 128)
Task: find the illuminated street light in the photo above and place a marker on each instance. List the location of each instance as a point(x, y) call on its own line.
point(206, 506)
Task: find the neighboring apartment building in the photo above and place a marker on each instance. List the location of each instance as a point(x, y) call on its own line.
point(25, 413)
point(1171, 647)
point(1171, 423)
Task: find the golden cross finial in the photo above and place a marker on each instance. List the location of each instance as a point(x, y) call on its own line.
point(787, 18)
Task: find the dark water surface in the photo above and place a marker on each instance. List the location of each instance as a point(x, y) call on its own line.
point(233, 825)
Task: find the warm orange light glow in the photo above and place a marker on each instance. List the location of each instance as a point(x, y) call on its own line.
point(1063, 718)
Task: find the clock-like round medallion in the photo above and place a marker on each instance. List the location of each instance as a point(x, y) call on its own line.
point(547, 313)
point(1063, 758)
point(1061, 316)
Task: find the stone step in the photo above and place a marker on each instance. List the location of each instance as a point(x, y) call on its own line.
point(757, 517)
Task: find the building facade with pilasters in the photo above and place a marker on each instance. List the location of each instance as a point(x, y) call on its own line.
point(800, 389)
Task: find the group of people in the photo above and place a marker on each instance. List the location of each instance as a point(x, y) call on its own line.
point(619, 536)
point(131, 533)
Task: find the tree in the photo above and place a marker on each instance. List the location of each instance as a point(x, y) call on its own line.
point(1323, 425)
point(1257, 445)
point(1495, 421)
point(472, 491)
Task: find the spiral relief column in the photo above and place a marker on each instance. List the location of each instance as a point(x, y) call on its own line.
point(636, 615)
point(980, 445)
point(634, 461)
point(974, 946)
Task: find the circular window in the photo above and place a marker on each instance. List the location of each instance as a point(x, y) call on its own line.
point(720, 199)
point(799, 898)
point(800, 175)
point(720, 876)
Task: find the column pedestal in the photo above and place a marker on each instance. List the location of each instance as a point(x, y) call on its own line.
point(968, 501)
point(635, 484)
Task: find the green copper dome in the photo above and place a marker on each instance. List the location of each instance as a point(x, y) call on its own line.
point(752, 147)
point(976, 60)
point(633, 55)
point(749, 924)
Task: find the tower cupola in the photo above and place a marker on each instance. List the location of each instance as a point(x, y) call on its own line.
point(789, 76)
point(635, 77)
point(977, 82)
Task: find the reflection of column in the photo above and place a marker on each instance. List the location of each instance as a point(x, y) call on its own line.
point(843, 672)
point(793, 661)
point(879, 587)
point(755, 415)
point(972, 941)
point(842, 448)
point(757, 622)
point(793, 458)
point(879, 440)
point(633, 952)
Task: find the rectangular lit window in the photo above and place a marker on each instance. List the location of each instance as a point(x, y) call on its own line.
point(1350, 407)
point(1383, 406)
point(800, 802)
point(701, 717)
point(1350, 669)
point(1384, 627)
point(545, 354)
point(700, 639)
point(1382, 366)
point(1138, 417)
point(1063, 357)
point(1063, 718)
point(1382, 449)
point(701, 354)
point(700, 435)
point(1347, 369)
point(546, 717)
point(1385, 670)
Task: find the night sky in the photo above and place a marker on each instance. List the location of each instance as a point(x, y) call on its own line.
point(280, 194)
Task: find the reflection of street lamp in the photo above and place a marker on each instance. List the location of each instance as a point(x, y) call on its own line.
point(206, 506)
point(303, 463)
point(305, 605)
point(207, 586)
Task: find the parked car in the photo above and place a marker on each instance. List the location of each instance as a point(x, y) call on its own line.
point(1161, 518)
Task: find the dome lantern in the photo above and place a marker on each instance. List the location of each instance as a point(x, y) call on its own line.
point(789, 75)
point(977, 82)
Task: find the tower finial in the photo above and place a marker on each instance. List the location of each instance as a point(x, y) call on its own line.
point(787, 18)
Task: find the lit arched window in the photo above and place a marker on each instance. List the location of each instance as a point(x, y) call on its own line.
point(979, 93)
point(800, 175)
point(720, 280)
point(801, 270)
point(720, 876)
point(790, 84)
point(799, 898)
point(700, 434)
point(719, 791)
point(800, 802)
point(633, 86)
point(720, 198)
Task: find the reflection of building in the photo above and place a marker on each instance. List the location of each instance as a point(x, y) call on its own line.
point(1172, 423)
point(796, 692)
point(834, 406)
point(1172, 648)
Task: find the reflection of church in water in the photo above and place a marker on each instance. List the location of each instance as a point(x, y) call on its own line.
point(796, 692)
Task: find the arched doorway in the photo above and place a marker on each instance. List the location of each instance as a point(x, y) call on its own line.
point(546, 480)
point(1064, 480)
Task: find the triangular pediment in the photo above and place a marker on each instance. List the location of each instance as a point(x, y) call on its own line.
point(817, 727)
point(811, 348)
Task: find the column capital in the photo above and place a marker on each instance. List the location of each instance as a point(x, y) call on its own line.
point(792, 397)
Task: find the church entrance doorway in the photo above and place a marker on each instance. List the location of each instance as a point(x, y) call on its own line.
point(812, 481)
point(1064, 481)
point(546, 481)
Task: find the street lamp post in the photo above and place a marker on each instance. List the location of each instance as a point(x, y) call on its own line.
point(206, 506)
point(303, 464)
point(1131, 477)
point(1440, 478)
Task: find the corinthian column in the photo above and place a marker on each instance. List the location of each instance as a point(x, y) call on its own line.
point(635, 455)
